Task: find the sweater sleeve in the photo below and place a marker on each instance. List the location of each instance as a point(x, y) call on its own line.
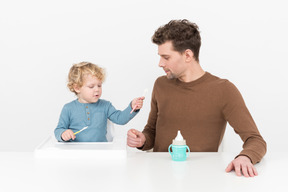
point(63, 123)
point(150, 128)
point(238, 116)
point(120, 117)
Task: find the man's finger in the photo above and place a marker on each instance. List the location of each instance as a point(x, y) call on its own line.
point(251, 172)
point(244, 170)
point(238, 170)
point(229, 167)
point(133, 142)
point(132, 133)
point(255, 171)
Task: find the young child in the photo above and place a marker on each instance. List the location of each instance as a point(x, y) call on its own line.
point(85, 80)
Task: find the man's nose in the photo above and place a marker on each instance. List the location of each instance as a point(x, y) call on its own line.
point(161, 63)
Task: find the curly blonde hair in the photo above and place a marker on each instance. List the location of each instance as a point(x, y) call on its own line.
point(79, 70)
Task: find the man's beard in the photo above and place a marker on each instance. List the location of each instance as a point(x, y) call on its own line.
point(171, 76)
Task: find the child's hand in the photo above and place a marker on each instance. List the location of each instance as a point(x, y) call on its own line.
point(137, 103)
point(67, 135)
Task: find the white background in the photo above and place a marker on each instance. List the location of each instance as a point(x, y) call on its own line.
point(244, 41)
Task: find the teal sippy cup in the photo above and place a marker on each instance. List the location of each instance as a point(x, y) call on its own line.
point(179, 148)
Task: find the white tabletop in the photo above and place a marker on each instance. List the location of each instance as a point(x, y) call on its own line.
point(140, 171)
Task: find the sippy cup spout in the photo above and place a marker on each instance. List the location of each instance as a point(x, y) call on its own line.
point(179, 139)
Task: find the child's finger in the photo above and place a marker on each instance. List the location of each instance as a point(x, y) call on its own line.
point(133, 109)
point(140, 98)
point(65, 137)
point(139, 104)
point(71, 135)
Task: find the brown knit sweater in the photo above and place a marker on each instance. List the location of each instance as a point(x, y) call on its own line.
point(200, 109)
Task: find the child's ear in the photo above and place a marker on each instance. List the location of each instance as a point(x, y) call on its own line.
point(76, 88)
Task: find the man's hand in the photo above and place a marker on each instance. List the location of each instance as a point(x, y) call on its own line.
point(242, 165)
point(135, 138)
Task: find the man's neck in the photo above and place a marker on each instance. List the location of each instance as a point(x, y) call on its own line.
point(193, 72)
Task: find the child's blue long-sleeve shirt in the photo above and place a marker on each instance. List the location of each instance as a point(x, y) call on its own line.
point(76, 115)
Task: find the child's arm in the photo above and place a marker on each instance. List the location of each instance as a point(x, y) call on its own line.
point(63, 125)
point(123, 117)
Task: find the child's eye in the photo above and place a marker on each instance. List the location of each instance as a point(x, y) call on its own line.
point(99, 85)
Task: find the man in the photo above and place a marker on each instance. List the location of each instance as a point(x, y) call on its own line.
point(195, 102)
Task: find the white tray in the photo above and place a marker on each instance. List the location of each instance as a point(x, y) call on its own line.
point(51, 148)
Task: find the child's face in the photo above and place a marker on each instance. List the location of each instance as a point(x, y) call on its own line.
point(90, 91)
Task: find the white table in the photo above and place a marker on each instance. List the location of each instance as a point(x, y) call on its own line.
point(140, 171)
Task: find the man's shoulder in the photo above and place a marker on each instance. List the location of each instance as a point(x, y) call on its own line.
point(222, 84)
point(217, 80)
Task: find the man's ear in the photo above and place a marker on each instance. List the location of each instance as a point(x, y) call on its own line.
point(76, 88)
point(189, 55)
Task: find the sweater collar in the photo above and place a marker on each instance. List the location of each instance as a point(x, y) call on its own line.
point(195, 82)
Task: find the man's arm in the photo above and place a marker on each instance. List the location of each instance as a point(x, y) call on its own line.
point(238, 116)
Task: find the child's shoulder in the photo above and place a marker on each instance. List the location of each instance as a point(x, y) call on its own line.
point(71, 104)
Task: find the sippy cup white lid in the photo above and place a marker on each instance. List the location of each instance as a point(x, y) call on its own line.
point(179, 139)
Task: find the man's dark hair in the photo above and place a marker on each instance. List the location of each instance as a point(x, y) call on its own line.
point(182, 33)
